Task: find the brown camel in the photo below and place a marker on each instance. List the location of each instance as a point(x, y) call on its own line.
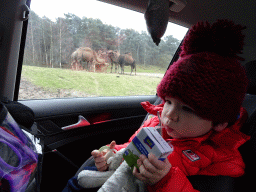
point(86, 55)
point(125, 60)
point(81, 55)
point(114, 58)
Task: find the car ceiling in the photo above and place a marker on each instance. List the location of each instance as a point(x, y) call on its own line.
point(241, 12)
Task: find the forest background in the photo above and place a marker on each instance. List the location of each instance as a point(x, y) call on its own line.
point(50, 43)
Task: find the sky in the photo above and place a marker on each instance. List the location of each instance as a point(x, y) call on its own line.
point(107, 13)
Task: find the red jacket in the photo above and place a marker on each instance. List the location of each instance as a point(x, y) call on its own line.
point(215, 153)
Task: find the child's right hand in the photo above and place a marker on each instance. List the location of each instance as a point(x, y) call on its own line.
point(100, 159)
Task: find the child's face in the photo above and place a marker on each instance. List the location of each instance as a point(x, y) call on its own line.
point(181, 121)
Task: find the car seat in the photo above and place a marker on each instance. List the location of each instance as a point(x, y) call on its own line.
point(248, 150)
point(250, 68)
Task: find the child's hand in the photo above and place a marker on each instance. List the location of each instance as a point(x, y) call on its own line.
point(151, 170)
point(100, 159)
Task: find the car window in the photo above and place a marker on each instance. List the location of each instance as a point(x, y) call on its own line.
point(76, 49)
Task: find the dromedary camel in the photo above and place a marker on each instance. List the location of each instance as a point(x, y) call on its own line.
point(125, 60)
point(81, 56)
point(86, 55)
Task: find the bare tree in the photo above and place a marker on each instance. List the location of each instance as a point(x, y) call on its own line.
point(44, 42)
point(32, 42)
point(51, 48)
point(60, 41)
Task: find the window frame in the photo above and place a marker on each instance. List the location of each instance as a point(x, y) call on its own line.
point(21, 57)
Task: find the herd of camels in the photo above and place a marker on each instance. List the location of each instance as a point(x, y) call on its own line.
point(86, 58)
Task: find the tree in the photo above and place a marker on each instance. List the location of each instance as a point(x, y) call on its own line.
point(171, 44)
point(74, 24)
point(32, 50)
point(45, 40)
point(64, 42)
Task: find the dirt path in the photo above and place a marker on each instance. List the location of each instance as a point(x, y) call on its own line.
point(30, 91)
point(151, 74)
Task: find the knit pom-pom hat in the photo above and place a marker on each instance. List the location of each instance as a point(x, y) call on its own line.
point(208, 75)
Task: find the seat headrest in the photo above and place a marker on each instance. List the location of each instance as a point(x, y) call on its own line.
point(250, 68)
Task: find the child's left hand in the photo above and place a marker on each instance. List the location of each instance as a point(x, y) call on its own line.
point(151, 170)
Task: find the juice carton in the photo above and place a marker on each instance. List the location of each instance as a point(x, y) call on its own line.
point(148, 140)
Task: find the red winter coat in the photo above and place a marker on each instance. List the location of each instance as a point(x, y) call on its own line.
point(215, 153)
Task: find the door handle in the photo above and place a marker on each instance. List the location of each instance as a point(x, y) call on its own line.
point(81, 123)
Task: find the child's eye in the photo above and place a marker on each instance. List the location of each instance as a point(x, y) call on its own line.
point(187, 109)
point(168, 102)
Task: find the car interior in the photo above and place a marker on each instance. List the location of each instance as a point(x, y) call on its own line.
point(116, 117)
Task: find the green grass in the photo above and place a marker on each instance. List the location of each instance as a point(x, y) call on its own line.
point(95, 84)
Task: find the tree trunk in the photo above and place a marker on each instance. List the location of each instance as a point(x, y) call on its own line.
point(46, 59)
point(145, 53)
point(60, 43)
point(51, 48)
point(33, 46)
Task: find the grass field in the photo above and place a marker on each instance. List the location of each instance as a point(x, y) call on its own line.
point(95, 84)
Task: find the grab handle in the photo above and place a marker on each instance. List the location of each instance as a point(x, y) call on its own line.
point(81, 123)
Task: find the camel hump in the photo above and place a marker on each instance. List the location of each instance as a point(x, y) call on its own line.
point(73, 55)
point(85, 48)
point(128, 57)
point(128, 53)
point(81, 50)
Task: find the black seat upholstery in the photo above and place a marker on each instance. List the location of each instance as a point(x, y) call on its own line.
point(250, 68)
point(248, 152)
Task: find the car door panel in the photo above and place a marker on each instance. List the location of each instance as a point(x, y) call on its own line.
point(111, 118)
point(102, 113)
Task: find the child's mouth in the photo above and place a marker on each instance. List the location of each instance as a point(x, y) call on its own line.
point(168, 129)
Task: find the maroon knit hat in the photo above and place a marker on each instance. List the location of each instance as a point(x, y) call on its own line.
point(208, 75)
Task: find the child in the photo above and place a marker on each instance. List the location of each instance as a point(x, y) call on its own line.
point(201, 113)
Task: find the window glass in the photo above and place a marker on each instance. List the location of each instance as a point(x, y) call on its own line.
point(73, 49)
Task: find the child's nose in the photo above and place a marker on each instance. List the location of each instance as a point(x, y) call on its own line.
point(173, 114)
